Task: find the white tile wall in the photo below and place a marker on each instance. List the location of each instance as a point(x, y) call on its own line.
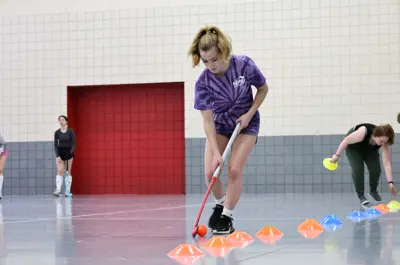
point(330, 64)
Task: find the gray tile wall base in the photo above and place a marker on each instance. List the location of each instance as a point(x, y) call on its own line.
point(30, 169)
point(289, 164)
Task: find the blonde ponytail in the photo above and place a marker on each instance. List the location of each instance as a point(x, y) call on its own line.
point(206, 38)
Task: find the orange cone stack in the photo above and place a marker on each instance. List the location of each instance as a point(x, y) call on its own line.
point(382, 208)
point(269, 235)
point(240, 239)
point(310, 228)
point(186, 254)
point(218, 246)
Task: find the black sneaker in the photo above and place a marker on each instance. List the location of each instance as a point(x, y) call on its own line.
point(224, 226)
point(376, 196)
point(363, 200)
point(215, 216)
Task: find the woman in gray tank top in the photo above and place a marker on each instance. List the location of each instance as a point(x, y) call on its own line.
point(361, 146)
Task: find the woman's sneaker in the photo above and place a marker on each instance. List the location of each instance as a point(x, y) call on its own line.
point(375, 195)
point(224, 226)
point(214, 218)
point(363, 200)
point(57, 193)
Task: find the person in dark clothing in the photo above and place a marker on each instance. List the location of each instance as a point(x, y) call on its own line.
point(398, 117)
point(64, 147)
point(362, 144)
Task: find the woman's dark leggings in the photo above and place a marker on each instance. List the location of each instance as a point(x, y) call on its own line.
point(356, 160)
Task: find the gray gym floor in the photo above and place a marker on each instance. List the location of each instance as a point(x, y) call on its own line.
point(113, 229)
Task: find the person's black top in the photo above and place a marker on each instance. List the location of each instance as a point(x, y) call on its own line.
point(364, 145)
point(64, 140)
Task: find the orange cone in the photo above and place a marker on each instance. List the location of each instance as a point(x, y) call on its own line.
point(310, 224)
point(310, 228)
point(186, 254)
point(185, 260)
point(218, 246)
point(269, 234)
point(382, 208)
point(240, 239)
point(310, 234)
point(218, 242)
point(270, 231)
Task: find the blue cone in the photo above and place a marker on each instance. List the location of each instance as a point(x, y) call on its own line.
point(331, 220)
point(356, 215)
point(372, 212)
point(332, 227)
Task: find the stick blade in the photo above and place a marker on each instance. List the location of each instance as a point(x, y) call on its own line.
point(194, 231)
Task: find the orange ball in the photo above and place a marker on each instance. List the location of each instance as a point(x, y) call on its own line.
point(202, 230)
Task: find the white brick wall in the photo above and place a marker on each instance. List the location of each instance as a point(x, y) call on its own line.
point(330, 64)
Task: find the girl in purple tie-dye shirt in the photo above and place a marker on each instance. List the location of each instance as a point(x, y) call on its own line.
point(3, 159)
point(223, 94)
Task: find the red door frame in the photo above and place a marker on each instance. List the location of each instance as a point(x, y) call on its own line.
point(172, 181)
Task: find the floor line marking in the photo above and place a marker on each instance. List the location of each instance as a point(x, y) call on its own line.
point(119, 212)
point(188, 218)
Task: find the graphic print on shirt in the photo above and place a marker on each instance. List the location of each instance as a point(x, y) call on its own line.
point(238, 82)
point(232, 94)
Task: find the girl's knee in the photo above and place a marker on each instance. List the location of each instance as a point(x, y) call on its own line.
point(234, 172)
point(60, 170)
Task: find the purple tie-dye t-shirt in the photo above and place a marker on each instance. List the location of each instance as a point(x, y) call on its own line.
point(230, 96)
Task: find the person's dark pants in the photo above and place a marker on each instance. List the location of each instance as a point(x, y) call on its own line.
point(357, 159)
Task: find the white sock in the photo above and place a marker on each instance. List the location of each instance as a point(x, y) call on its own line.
point(68, 182)
point(59, 182)
point(1, 184)
point(227, 212)
point(220, 201)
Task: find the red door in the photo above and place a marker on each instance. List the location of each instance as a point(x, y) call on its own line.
point(130, 139)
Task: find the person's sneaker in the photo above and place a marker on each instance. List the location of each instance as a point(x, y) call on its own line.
point(376, 196)
point(215, 216)
point(224, 226)
point(57, 193)
point(363, 200)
